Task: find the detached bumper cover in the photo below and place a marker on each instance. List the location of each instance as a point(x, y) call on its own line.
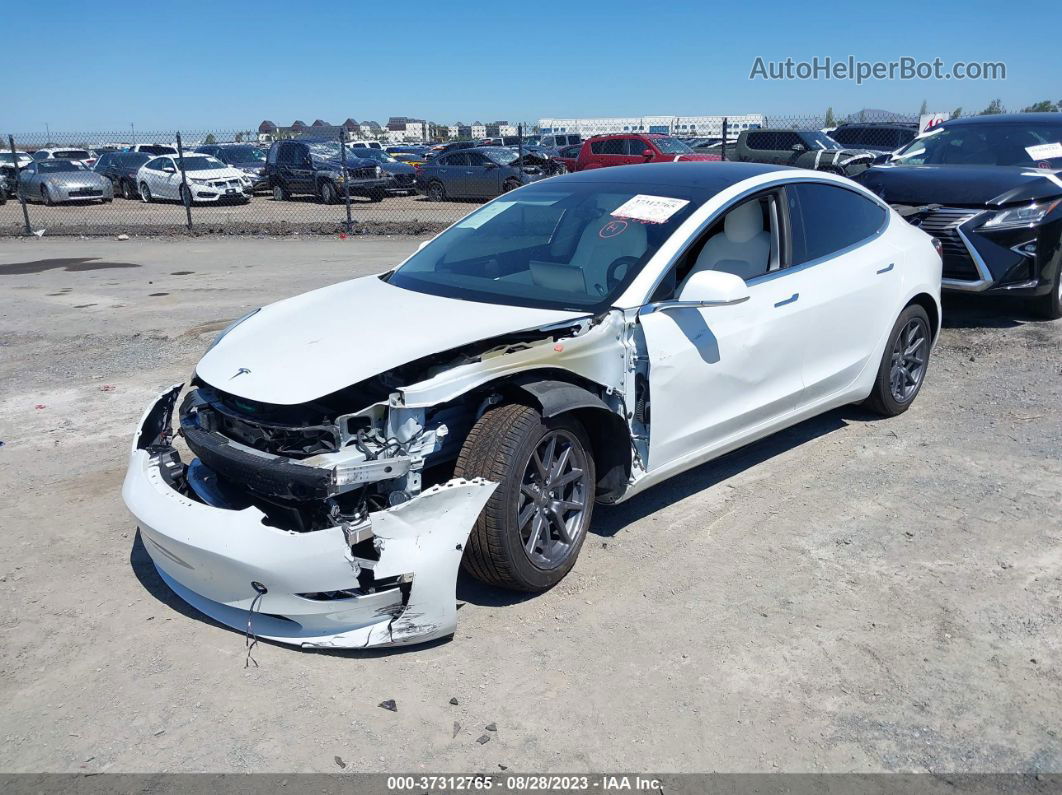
point(210, 557)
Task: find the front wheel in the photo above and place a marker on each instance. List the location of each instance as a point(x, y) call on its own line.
point(532, 528)
point(46, 197)
point(328, 193)
point(510, 184)
point(1050, 306)
point(145, 193)
point(376, 195)
point(903, 365)
point(436, 192)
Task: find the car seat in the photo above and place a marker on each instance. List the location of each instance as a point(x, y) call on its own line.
point(743, 248)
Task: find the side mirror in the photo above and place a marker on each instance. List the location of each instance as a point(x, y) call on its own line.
point(704, 289)
point(170, 170)
point(648, 154)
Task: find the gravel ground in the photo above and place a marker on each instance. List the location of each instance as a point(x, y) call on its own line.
point(395, 214)
point(849, 595)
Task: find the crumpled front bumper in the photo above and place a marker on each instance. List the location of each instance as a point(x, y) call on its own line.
point(210, 557)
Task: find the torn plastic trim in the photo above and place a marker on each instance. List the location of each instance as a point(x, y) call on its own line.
point(210, 556)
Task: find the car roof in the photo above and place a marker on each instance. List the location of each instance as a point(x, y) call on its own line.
point(714, 175)
point(1028, 118)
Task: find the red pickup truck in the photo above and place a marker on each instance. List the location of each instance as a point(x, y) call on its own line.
point(623, 149)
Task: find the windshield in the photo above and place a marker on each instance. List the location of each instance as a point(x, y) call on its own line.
point(158, 149)
point(671, 146)
point(987, 144)
point(132, 159)
point(502, 157)
point(202, 163)
point(49, 166)
point(575, 247)
point(818, 140)
point(373, 154)
point(244, 154)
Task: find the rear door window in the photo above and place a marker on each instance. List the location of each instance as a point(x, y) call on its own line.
point(826, 219)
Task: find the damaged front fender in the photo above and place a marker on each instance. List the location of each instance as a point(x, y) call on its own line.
point(392, 580)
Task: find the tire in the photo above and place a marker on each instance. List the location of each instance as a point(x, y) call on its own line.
point(1050, 306)
point(279, 194)
point(127, 190)
point(376, 195)
point(46, 197)
point(510, 184)
point(185, 194)
point(500, 447)
point(327, 191)
point(902, 362)
point(436, 191)
point(145, 193)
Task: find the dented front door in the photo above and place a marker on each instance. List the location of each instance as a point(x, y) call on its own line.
point(719, 373)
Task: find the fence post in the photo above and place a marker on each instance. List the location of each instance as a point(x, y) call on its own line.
point(185, 192)
point(18, 193)
point(722, 149)
point(346, 175)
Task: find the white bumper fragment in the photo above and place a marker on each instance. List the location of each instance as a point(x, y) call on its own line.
point(211, 556)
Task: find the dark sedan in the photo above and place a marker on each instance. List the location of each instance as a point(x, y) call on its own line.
point(400, 175)
point(120, 168)
point(249, 159)
point(479, 173)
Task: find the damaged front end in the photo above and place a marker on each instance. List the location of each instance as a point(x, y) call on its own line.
point(325, 522)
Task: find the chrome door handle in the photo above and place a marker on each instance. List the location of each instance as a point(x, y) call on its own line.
point(887, 268)
point(788, 300)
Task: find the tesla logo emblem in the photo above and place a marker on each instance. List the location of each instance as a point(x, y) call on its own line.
point(612, 228)
point(241, 371)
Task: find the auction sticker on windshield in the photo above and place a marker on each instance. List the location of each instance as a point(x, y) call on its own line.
point(1045, 151)
point(649, 209)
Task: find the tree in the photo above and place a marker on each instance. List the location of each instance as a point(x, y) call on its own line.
point(924, 109)
point(957, 112)
point(210, 139)
point(1046, 106)
point(831, 120)
point(994, 107)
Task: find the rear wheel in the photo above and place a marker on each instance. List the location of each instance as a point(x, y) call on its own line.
point(127, 190)
point(903, 365)
point(327, 192)
point(436, 191)
point(532, 528)
point(279, 194)
point(1050, 305)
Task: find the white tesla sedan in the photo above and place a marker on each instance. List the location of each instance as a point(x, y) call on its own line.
point(206, 179)
point(571, 342)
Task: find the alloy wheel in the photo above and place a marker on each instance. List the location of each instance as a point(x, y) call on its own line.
point(551, 509)
point(910, 351)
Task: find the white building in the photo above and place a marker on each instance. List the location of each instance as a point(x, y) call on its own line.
point(691, 126)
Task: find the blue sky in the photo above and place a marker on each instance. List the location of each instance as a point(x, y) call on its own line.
point(229, 64)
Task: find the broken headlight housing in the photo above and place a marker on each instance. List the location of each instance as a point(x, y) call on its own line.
point(231, 326)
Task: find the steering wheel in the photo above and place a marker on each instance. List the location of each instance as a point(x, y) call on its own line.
point(613, 275)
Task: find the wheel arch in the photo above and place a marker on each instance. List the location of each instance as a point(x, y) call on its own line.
point(557, 393)
point(925, 300)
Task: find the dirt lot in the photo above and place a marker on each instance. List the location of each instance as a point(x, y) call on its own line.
point(850, 595)
point(261, 214)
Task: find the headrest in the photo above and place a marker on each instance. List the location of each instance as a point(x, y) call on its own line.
point(744, 222)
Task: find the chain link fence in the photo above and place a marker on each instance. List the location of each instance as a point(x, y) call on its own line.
point(291, 180)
